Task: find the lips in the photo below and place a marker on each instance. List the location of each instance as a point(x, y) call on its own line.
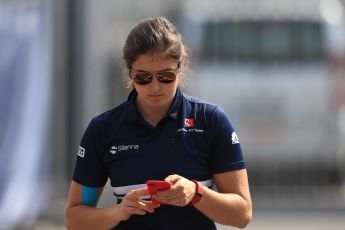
point(154, 96)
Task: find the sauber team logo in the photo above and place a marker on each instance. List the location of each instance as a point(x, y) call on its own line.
point(189, 127)
point(189, 122)
point(81, 151)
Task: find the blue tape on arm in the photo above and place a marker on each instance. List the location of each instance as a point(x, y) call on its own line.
point(90, 195)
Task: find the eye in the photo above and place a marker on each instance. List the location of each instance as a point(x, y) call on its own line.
point(143, 76)
point(166, 76)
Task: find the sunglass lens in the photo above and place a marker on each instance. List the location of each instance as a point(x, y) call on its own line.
point(142, 78)
point(166, 76)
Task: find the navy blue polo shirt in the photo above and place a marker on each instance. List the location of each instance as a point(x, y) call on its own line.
point(195, 140)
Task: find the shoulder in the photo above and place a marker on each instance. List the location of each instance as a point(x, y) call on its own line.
point(201, 105)
point(198, 101)
point(110, 116)
point(212, 114)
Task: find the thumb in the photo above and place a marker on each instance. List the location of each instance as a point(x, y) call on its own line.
point(172, 178)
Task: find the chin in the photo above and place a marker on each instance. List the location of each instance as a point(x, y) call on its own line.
point(156, 103)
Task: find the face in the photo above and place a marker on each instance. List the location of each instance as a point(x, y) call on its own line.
point(161, 90)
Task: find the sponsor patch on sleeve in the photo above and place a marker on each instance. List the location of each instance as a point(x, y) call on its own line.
point(81, 151)
point(234, 138)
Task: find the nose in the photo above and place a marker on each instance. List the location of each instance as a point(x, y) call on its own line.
point(155, 84)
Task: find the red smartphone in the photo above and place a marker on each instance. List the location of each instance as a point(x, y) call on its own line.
point(157, 185)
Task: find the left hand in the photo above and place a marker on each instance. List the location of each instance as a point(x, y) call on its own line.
point(132, 204)
point(180, 193)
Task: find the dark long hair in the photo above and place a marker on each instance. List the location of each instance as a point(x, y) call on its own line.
point(154, 35)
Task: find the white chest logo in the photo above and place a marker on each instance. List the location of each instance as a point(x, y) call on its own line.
point(113, 149)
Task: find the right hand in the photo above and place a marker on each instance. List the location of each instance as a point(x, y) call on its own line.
point(132, 204)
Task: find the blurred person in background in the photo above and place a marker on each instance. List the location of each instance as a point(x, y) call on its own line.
point(159, 133)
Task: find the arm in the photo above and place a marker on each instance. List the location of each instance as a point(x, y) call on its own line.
point(82, 213)
point(230, 206)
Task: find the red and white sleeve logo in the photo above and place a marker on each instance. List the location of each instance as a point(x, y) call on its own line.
point(189, 122)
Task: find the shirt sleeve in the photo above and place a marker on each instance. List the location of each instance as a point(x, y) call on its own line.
point(89, 168)
point(226, 148)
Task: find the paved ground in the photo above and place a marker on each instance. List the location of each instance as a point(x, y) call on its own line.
point(267, 220)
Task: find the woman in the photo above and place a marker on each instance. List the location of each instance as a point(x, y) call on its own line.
point(163, 134)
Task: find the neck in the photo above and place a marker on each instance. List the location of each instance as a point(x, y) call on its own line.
point(152, 114)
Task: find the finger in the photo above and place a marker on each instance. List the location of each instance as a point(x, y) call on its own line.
point(173, 191)
point(139, 205)
point(178, 201)
point(146, 206)
point(172, 178)
point(167, 197)
point(136, 193)
point(150, 204)
point(133, 210)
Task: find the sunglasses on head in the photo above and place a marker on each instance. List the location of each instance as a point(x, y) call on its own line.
point(164, 76)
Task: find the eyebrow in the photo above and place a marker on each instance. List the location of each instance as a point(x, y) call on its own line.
point(162, 70)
